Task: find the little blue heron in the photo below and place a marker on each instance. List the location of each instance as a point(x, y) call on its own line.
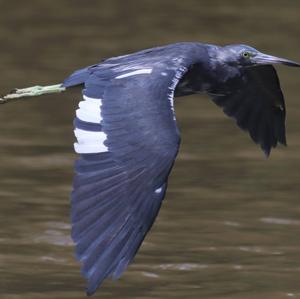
point(128, 140)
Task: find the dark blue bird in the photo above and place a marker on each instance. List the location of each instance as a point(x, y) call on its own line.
point(128, 139)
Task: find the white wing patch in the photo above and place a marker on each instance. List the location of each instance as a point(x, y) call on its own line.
point(89, 110)
point(89, 148)
point(137, 72)
point(158, 190)
point(86, 137)
point(89, 141)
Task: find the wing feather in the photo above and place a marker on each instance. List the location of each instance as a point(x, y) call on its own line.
point(118, 189)
point(256, 103)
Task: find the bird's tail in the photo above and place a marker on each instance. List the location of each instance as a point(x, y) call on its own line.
point(32, 92)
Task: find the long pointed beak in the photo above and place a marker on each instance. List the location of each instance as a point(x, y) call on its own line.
point(269, 59)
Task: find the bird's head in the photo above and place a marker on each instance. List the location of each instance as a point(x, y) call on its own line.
point(243, 56)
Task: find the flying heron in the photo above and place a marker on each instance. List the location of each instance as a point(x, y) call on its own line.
point(128, 140)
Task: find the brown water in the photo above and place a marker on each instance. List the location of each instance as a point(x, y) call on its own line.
point(230, 225)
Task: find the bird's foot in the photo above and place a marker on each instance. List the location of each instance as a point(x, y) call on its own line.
point(31, 92)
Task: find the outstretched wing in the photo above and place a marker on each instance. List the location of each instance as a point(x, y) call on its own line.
point(128, 140)
point(257, 104)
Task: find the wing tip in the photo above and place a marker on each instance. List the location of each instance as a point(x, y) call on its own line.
point(268, 148)
point(91, 287)
point(90, 292)
point(267, 151)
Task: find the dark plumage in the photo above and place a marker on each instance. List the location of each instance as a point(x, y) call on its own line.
point(128, 138)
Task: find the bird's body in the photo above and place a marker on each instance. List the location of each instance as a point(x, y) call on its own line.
point(128, 139)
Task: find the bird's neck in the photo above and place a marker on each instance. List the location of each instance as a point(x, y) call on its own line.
point(209, 75)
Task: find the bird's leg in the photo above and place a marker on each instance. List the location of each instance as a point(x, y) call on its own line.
point(32, 92)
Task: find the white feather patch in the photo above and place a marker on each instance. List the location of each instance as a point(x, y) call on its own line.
point(89, 148)
point(158, 190)
point(89, 106)
point(89, 142)
point(84, 136)
point(89, 116)
point(90, 110)
point(137, 72)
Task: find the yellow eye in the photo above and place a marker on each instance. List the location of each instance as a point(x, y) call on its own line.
point(246, 54)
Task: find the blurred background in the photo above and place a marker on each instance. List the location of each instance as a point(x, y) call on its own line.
point(229, 227)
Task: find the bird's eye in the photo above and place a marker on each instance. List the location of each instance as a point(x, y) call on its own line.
point(246, 54)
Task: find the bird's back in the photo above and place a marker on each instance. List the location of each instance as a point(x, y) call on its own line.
point(168, 56)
